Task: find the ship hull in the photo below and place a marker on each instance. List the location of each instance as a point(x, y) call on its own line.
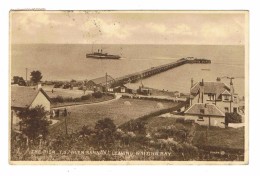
point(102, 56)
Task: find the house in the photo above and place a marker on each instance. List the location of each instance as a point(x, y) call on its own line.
point(117, 89)
point(218, 93)
point(205, 115)
point(100, 84)
point(209, 101)
point(23, 98)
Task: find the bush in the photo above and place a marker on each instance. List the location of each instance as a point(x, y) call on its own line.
point(66, 86)
point(233, 118)
point(57, 85)
point(180, 120)
point(97, 94)
point(86, 97)
point(77, 99)
point(86, 130)
point(58, 99)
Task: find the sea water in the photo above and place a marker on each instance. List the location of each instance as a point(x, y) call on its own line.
point(68, 61)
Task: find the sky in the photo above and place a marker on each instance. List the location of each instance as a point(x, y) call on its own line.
point(136, 27)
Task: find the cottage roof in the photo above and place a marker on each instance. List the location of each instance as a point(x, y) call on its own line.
point(23, 97)
point(216, 88)
point(102, 80)
point(204, 110)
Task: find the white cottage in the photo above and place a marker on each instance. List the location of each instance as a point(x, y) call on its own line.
point(26, 97)
point(205, 115)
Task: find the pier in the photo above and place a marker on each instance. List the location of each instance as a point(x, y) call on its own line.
point(156, 70)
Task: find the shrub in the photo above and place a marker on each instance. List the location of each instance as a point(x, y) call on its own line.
point(68, 99)
point(180, 120)
point(86, 97)
point(57, 85)
point(78, 99)
point(233, 118)
point(97, 94)
point(58, 99)
point(86, 130)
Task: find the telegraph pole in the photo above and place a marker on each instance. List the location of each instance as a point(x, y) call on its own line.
point(65, 113)
point(26, 70)
point(66, 126)
point(106, 82)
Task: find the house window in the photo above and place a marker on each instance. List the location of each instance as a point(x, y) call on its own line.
point(226, 109)
point(202, 111)
point(200, 118)
point(211, 97)
point(226, 97)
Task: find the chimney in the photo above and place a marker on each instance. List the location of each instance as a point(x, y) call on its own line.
point(218, 79)
point(202, 82)
point(201, 97)
point(39, 86)
point(232, 90)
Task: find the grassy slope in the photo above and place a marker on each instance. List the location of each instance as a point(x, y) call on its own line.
point(228, 137)
point(117, 111)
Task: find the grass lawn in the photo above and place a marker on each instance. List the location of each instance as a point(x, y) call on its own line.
point(63, 92)
point(119, 110)
point(89, 101)
point(227, 137)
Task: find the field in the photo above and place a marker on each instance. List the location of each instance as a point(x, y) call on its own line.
point(63, 92)
point(120, 111)
point(91, 100)
point(226, 138)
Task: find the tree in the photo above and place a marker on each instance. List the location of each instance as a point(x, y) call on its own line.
point(34, 122)
point(232, 118)
point(36, 76)
point(19, 80)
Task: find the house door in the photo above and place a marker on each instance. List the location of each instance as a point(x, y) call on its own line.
point(235, 110)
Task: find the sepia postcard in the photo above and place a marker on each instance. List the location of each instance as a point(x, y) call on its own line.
point(128, 87)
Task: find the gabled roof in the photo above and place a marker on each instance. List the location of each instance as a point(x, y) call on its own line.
point(209, 110)
point(216, 88)
point(225, 92)
point(23, 97)
point(102, 80)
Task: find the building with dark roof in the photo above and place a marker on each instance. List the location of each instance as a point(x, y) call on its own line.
point(209, 101)
point(218, 93)
point(100, 84)
point(23, 98)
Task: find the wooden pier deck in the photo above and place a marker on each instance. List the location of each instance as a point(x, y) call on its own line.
point(156, 70)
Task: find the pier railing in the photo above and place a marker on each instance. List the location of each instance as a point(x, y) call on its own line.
point(157, 69)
